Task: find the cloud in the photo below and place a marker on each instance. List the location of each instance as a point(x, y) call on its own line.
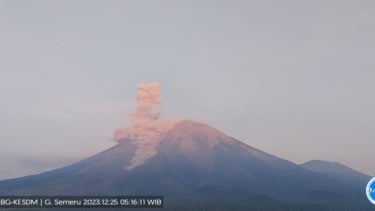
point(31, 164)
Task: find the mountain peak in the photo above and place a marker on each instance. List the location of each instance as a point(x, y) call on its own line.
point(191, 130)
point(188, 125)
point(190, 137)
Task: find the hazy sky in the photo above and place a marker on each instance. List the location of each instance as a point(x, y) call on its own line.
point(293, 78)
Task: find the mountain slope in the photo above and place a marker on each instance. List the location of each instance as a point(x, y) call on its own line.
point(194, 166)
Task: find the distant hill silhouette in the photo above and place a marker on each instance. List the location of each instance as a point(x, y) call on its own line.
point(337, 171)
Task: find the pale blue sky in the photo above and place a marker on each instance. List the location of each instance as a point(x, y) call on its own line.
point(293, 78)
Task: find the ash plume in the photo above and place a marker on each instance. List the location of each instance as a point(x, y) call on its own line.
point(148, 95)
point(146, 129)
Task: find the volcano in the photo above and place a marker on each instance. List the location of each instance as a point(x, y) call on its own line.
point(196, 167)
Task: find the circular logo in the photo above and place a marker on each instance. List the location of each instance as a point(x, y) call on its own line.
point(370, 190)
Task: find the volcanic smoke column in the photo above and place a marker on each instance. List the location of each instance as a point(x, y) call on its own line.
point(148, 95)
point(146, 130)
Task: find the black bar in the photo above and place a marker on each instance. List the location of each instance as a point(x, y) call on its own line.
point(81, 202)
